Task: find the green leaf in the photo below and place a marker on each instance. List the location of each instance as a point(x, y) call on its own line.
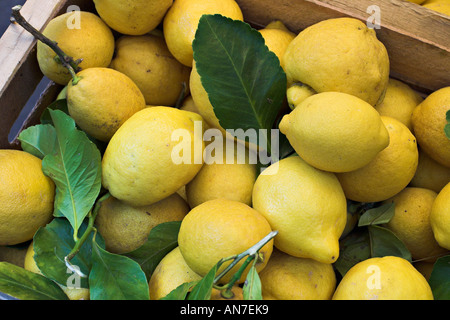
point(447, 126)
point(26, 285)
point(385, 243)
point(252, 285)
point(116, 277)
point(75, 169)
point(180, 292)
point(354, 248)
point(244, 80)
point(202, 290)
point(39, 140)
point(378, 215)
point(439, 279)
point(54, 242)
point(162, 239)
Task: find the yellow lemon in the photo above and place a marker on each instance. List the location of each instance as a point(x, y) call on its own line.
point(125, 228)
point(428, 121)
point(430, 174)
point(277, 37)
point(133, 17)
point(26, 196)
point(148, 62)
point(386, 278)
point(81, 35)
point(171, 272)
point(440, 217)
point(290, 278)
point(298, 92)
point(399, 102)
point(181, 22)
point(224, 177)
point(389, 172)
point(335, 131)
point(72, 293)
point(411, 222)
point(221, 228)
point(102, 100)
point(341, 55)
point(152, 155)
point(305, 205)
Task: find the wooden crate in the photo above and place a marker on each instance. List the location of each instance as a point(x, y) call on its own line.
point(417, 40)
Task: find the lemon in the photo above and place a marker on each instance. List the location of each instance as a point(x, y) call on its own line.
point(430, 174)
point(132, 17)
point(72, 293)
point(386, 278)
point(148, 62)
point(411, 222)
point(440, 217)
point(428, 121)
point(171, 272)
point(125, 228)
point(298, 92)
point(335, 131)
point(277, 37)
point(26, 196)
point(142, 163)
point(441, 7)
point(290, 278)
point(222, 177)
point(305, 205)
point(389, 172)
point(221, 228)
point(399, 102)
point(13, 254)
point(181, 21)
point(92, 40)
point(341, 55)
point(102, 100)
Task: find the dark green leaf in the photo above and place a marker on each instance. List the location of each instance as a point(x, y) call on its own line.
point(39, 140)
point(440, 279)
point(26, 285)
point(180, 292)
point(202, 290)
point(54, 242)
point(355, 248)
point(378, 215)
point(252, 285)
point(244, 80)
point(384, 242)
point(75, 169)
point(162, 239)
point(116, 277)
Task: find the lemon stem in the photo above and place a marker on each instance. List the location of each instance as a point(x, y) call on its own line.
point(252, 253)
point(64, 59)
point(92, 215)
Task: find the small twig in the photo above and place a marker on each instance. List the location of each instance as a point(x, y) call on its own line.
point(65, 60)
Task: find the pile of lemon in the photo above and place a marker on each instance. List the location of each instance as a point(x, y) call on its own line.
point(358, 135)
point(441, 6)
